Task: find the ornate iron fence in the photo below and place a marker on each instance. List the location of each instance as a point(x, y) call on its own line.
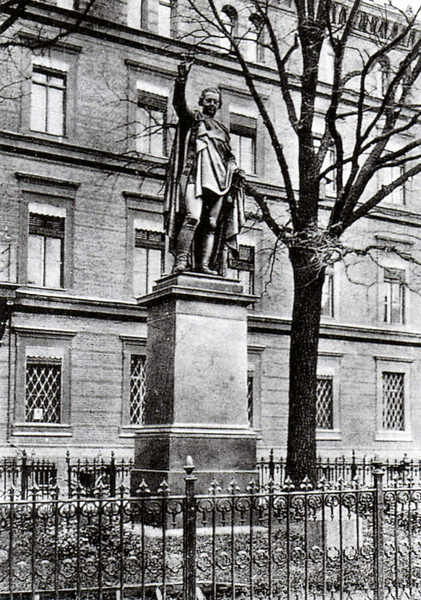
point(86, 475)
point(24, 473)
point(347, 469)
point(261, 543)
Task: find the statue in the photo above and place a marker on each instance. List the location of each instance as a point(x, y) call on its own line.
point(204, 200)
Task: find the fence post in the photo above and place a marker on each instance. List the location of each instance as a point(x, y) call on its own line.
point(24, 476)
point(378, 524)
point(190, 532)
point(271, 466)
point(112, 476)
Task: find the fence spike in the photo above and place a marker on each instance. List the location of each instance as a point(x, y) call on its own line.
point(306, 484)
point(233, 487)
point(142, 489)
point(214, 487)
point(163, 488)
point(288, 485)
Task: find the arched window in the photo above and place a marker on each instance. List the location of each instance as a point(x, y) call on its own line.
point(229, 18)
point(253, 39)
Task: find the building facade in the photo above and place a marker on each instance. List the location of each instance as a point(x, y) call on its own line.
point(86, 126)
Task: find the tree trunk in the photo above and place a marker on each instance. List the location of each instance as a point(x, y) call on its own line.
point(308, 284)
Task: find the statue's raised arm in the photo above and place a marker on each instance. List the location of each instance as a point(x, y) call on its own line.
point(204, 210)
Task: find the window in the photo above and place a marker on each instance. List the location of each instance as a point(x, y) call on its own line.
point(151, 117)
point(243, 142)
point(330, 179)
point(136, 14)
point(43, 390)
point(42, 384)
point(165, 18)
point(148, 260)
point(394, 296)
point(393, 393)
point(324, 402)
point(254, 373)
point(242, 267)
point(45, 250)
point(253, 43)
point(229, 19)
point(393, 396)
point(389, 176)
point(327, 296)
point(134, 384)
point(137, 388)
point(48, 100)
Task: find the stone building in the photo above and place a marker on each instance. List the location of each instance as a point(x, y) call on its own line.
point(85, 130)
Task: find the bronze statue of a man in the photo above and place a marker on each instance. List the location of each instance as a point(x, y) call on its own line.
point(204, 198)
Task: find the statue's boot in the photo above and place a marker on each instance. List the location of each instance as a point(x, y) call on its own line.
point(208, 244)
point(184, 242)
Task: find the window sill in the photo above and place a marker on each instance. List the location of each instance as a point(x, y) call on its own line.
point(393, 436)
point(129, 431)
point(328, 434)
point(42, 430)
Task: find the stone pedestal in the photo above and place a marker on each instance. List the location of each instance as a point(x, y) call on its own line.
point(196, 400)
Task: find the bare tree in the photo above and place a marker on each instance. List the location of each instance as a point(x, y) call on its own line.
point(366, 133)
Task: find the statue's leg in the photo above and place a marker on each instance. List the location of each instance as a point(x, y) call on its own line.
point(186, 234)
point(209, 238)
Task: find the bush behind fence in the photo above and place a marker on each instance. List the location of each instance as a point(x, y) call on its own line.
point(261, 543)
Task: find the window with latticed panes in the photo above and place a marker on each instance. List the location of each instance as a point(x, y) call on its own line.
point(250, 398)
point(324, 402)
point(137, 388)
point(43, 390)
point(393, 410)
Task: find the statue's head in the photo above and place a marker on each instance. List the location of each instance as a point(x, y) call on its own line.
point(210, 100)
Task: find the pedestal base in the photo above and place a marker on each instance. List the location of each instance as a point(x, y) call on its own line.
point(196, 397)
point(222, 454)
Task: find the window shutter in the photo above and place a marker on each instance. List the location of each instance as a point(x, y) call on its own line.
point(46, 225)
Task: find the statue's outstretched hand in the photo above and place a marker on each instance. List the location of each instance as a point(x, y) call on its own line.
point(184, 68)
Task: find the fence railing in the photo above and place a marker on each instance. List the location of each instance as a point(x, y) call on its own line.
point(345, 468)
point(261, 543)
point(86, 475)
point(24, 473)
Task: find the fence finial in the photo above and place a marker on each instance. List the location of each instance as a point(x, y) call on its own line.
point(189, 466)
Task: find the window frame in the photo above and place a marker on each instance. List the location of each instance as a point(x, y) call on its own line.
point(130, 346)
point(254, 370)
point(234, 264)
point(387, 310)
point(329, 365)
point(140, 206)
point(330, 280)
point(386, 364)
point(49, 73)
point(152, 102)
point(35, 340)
point(245, 127)
point(58, 194)
point(63, 58)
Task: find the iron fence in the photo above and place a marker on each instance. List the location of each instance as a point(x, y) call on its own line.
point(331, 543)
point(345, 468)
point(23, 473)
point(86, 475)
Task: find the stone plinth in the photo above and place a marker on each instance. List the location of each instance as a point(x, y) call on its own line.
point(196, 399)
